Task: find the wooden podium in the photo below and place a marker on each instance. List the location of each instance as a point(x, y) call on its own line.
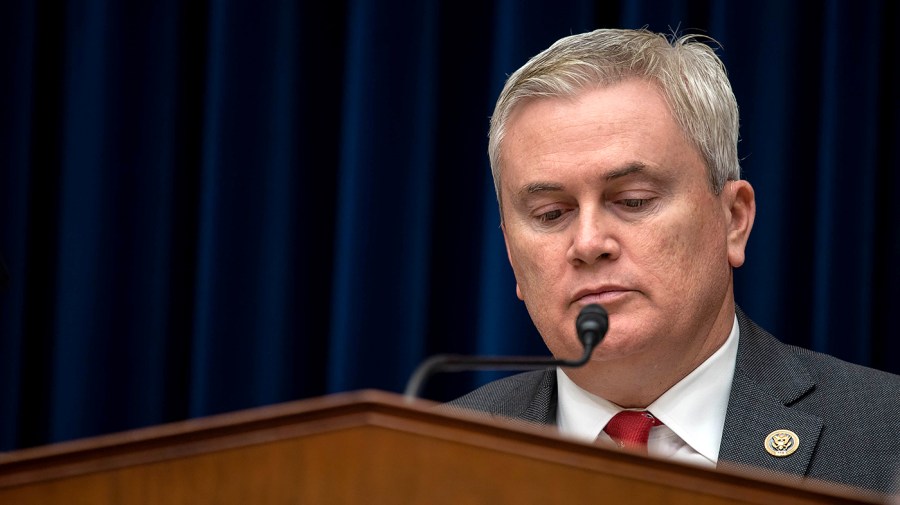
point(368, 447)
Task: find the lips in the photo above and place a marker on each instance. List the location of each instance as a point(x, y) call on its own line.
point(604, 295)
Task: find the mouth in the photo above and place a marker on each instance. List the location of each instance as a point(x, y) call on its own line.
point(604, 295)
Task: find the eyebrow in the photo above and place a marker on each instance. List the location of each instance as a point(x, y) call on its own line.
point(548, 187)
point(540, 187)
point(632, 168)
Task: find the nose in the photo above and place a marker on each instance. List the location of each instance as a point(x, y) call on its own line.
point(593, 239)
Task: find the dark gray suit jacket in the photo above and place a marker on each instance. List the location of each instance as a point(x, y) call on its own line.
point(847, 417)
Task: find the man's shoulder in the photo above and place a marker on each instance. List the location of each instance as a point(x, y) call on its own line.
point(763, 354)
point(529, 396)
point(829, 369)
point(842, 413)
point(845, 390)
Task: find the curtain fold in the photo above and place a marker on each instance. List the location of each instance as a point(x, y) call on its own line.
point(208, 206)
point(844, 260)
point(382, 248)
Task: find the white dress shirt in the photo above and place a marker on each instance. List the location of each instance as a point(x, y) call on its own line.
point(693, 410)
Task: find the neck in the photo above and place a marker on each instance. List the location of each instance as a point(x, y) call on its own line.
point(637, 381)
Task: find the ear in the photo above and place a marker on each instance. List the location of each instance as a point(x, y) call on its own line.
point(740, 210)
point(509, 257)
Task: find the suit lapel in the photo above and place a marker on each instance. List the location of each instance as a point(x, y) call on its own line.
point(542, 408)
point(768, 379)
point(540, 394)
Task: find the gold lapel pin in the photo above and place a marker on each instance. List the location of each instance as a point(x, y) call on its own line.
point(781, 443)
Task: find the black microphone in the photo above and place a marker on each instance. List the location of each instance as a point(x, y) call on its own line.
point(591, 325)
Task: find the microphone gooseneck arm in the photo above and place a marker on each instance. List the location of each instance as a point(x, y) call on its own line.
point(591, 326)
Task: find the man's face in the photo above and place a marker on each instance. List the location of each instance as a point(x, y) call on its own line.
point(605, 201)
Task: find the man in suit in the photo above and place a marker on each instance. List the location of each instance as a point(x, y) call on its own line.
point(614, 155)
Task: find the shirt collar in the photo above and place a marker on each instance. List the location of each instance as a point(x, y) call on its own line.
point(705, 390)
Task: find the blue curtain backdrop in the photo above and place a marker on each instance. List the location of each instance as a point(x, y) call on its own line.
point(209, 206)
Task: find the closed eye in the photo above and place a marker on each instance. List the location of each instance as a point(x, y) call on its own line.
point(635, 203)
point(637, 207)
point(550, 216)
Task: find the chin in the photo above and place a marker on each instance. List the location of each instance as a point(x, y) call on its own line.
point(621, 344)
point(565, 347)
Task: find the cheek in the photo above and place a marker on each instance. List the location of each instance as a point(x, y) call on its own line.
point(539, 266)
point(661, 249)
point(529, 260)
point(680, 252)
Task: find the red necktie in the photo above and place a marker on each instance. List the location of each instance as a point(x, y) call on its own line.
point(631, 428)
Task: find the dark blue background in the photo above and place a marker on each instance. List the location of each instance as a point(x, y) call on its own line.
point(207, 206)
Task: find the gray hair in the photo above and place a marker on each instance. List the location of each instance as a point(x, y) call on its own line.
point(687, 71)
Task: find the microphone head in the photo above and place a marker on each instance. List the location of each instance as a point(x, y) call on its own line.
point(591, 324)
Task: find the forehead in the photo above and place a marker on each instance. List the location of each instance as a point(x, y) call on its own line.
point(602, 128)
